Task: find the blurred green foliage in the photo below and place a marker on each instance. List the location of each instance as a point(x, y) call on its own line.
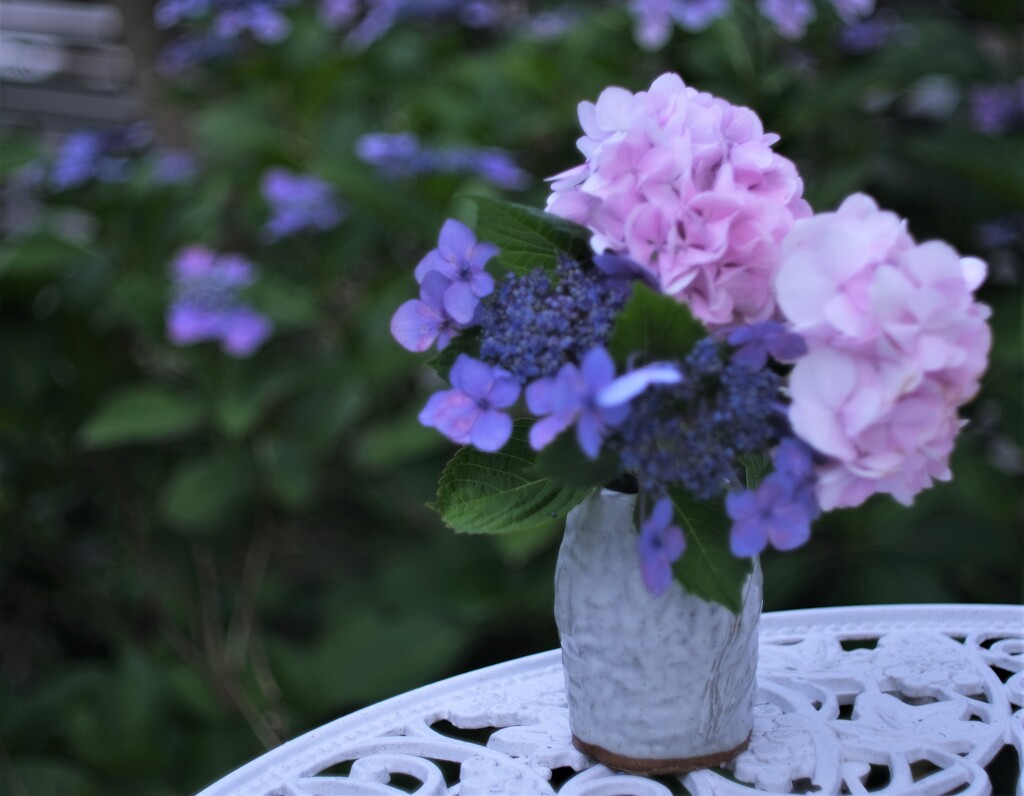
point(201, 556)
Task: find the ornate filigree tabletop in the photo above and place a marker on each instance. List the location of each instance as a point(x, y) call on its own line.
point(914, 699)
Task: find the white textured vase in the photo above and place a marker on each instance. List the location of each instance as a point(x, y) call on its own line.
point(655, 684)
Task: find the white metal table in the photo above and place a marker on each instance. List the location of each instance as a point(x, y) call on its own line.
point(913, 699)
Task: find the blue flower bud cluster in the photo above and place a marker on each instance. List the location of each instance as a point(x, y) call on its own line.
point(690, 434)
point(535, 323)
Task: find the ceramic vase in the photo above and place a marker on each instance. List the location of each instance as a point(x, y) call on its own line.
point(655, 684)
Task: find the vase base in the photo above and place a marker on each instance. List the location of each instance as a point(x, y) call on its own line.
point(653, 767)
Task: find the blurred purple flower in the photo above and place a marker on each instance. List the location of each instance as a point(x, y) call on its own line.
point(168, 13)
point(654, 18)
point(755, 343)
point(266, 24)
point(571, 396)
point(1000, 233)
point(659, 545)
point(86, 155)
point(194, 50)
point(769, 515)
point(996, 109)
point(460, 259)
point(418, 323)
point(858, 38)
point(850, 10)
point(76, 160)
point(335, 14)
point(174, 167)
point(789, 17)
point(298, 202)
point(470, 411)
point(206, 303)
point(399, 155)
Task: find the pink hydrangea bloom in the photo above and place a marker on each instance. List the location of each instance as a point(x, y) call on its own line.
point(687, 185)
point(896, 344)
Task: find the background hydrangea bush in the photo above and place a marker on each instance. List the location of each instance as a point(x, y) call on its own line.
point(212, 475)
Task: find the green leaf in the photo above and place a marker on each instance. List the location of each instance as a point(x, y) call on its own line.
point(755, 466)
point(654, 324)
point(708, 569)
point(528, 237)
point(208, 494)
point(289, 468)
point(564, 462)
point(465, 343)
point(43, 256)
point(501, 492)
point(141, 413)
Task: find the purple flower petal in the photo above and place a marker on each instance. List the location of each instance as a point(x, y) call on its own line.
point(491, 430)
point(459, 302)
point(244, 332)
point(589, 433)
point(504, 391)
point(545, 430)
point(540, 396)
point(456, 242)
point(433, 261)
point(456, 415)
point(630, 385)
point(416, 325)
point(597, 368)
point(483, 252)
point(789, 528)
point(747, 538)
point(471, 376)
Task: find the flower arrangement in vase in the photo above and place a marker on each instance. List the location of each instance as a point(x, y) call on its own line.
point(706, 365)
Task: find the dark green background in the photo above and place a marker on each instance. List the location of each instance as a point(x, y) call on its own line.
point(200, 556)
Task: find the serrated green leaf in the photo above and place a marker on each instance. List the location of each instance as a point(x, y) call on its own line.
point(501, 492)
point(708, 569)
point(565, 463)
point(141, 413)
point(653, 324)
point(527, 237)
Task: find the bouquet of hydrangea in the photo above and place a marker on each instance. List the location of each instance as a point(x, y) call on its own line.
point(680, 323)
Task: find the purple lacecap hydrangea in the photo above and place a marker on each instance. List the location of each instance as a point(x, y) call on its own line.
point(206, 304)
point(659, 545)
point(400, 155)
point(471, 412)
point(539, 321)
point(298, 202)
point(689, 431)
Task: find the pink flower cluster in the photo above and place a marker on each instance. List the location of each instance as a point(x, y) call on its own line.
point(687, 185)
point(896, 343)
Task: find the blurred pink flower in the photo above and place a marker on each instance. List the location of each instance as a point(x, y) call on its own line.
point(687, 185)
point(896, 344)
